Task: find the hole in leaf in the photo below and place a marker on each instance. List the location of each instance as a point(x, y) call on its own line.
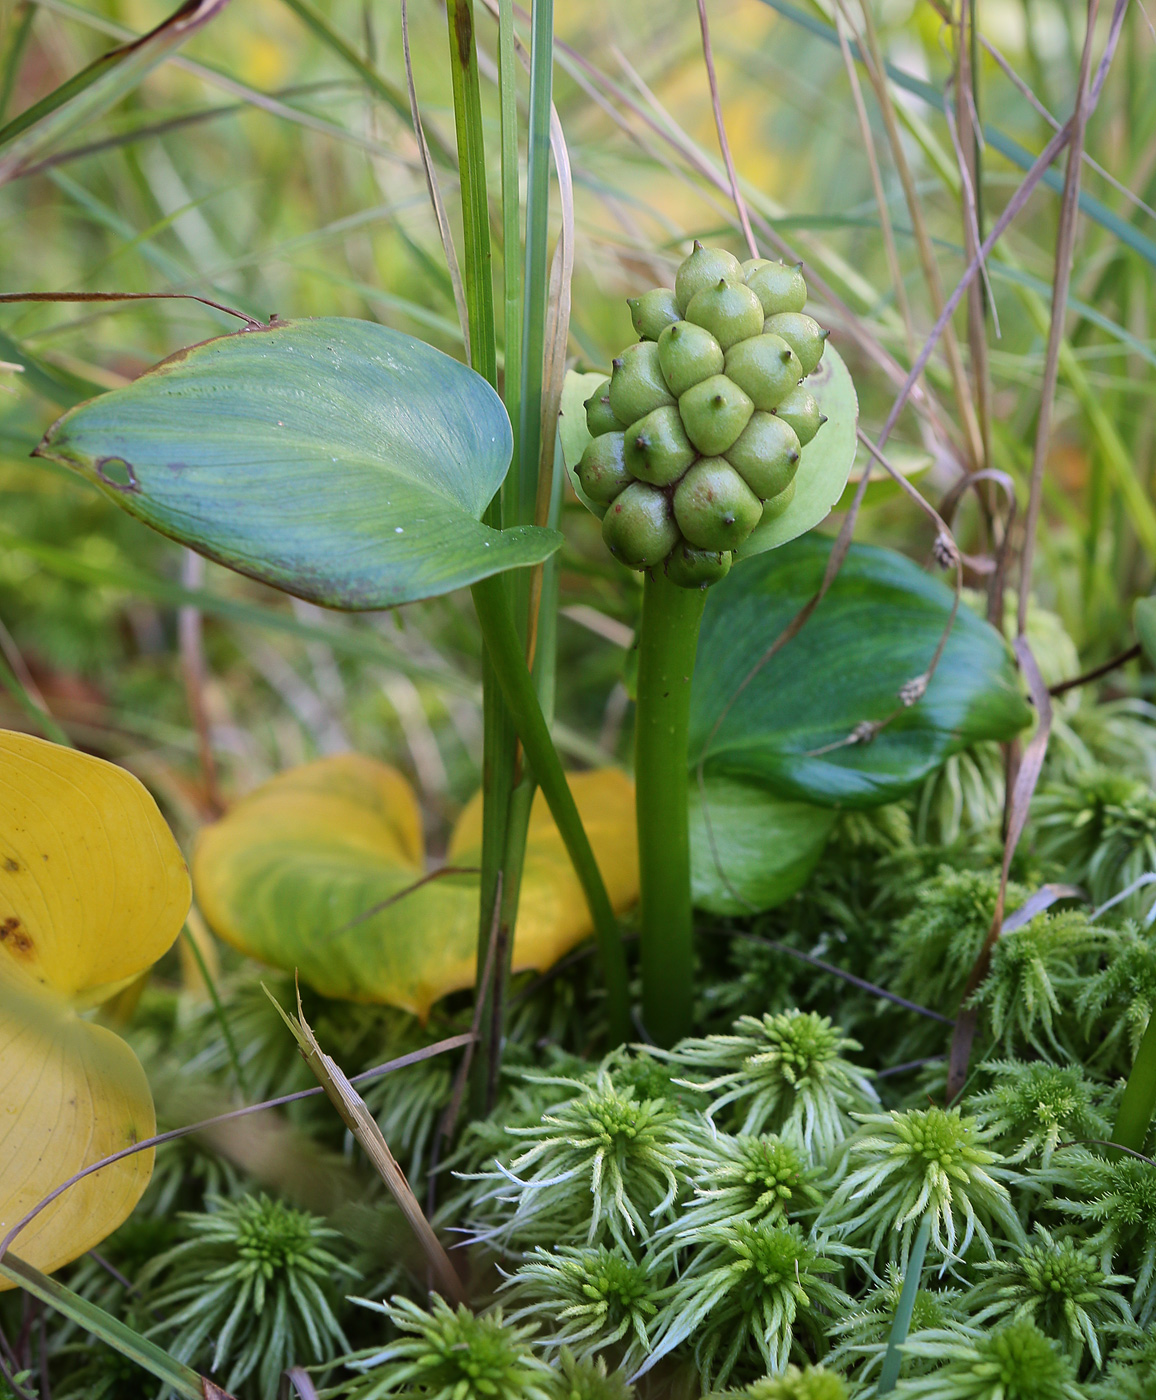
point(117, 473)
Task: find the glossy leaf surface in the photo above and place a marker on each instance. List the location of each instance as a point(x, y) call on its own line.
point(336, 459)
point(93, 889)
point(300, 873)
point(876, 630)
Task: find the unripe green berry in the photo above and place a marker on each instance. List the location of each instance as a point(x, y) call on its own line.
point(657, 447)
point(729, 310)
point(777, 504)
point(766, 455)
point(714, 507)
point(803, 334)
point(702, 269)
point(653, 311)
point(765, 368)
point(696, 568)
point(778, 286)
point(599, 415)
point(751, 265)
point(602, 470)
point(688, 354)
point(714, 413)
point(637, 385)
point(800, 410)
point(639, 527)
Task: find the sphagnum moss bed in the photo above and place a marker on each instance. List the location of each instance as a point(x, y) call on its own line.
point(816, 1063)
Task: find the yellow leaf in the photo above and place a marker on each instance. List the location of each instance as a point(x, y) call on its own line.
point(70, 1094)
point(315, 871)
point(552, 912)
point(93, 888)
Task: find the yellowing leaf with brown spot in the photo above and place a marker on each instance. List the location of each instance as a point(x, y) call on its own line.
point(70, 1094)
point(315, 871)
point(93, 888)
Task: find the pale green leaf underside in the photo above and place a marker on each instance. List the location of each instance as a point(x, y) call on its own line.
point(825, 463)
point(338, 460)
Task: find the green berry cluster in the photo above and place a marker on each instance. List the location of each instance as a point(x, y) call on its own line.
point(698, 431)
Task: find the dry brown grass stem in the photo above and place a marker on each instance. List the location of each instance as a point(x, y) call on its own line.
point(720, 127)
point(965, 404)
point(431, 180)
point(885, 225)
point(1065, 247)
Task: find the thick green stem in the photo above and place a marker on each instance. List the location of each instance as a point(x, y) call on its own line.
point(667, 643)
point(1134, 1117)
point(505, 654)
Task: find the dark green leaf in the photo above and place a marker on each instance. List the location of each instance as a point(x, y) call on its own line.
point(750, 850)
point(876, 630)
point(338, 460)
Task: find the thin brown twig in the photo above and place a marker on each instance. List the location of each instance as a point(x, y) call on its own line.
point(720, 128)
point(1014, 206)
point(439, 874)
point(1019, 800)
point(877, 74)
point(885, 224)
point(251, 323)
point(1097, 671)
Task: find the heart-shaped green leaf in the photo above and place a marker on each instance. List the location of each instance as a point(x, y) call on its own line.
point(825, 463)
point(750, 850)
point(336, 459)
point(789, 729)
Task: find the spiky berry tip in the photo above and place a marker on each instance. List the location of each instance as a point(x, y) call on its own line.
point(616, 364)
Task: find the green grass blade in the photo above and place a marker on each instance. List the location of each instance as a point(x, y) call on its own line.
point(98, 87)
point(108, 1329)
point(21, 33)
point(58, 386)
point(43, 721)
point(893, 1356)
point(1134, 1116)
point(537, 227)
point(381, 87)
point(504, 648)
point(511, 225)
point(475, 198)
